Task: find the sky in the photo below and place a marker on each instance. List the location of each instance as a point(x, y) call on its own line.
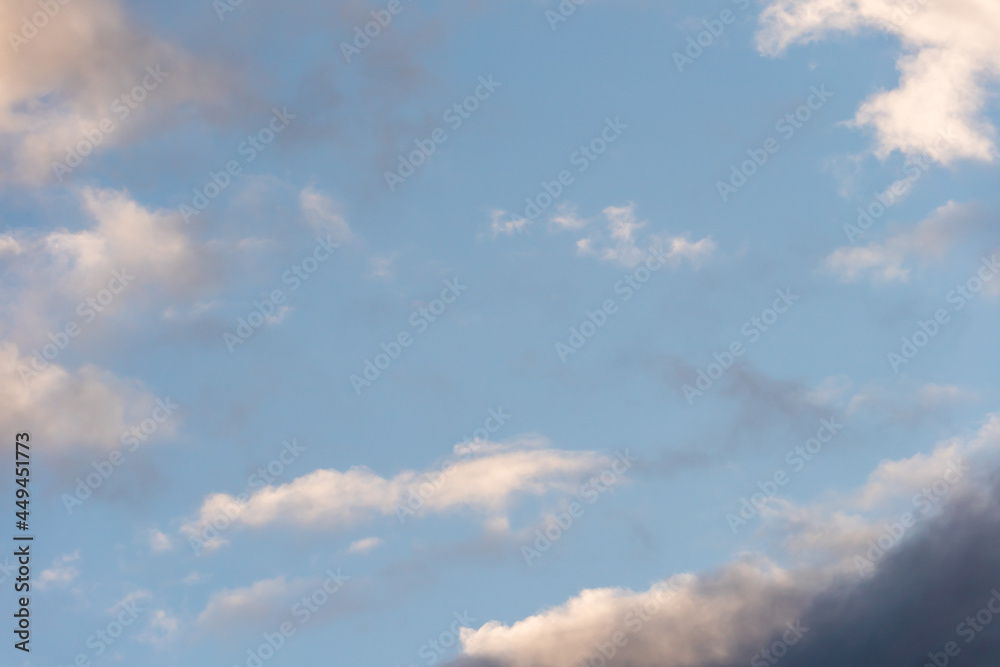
point(520, 333)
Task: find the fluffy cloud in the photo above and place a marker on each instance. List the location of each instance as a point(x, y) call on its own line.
point(885, 261)
point(62, 81)
point(150, 243)
point(127, 253)
point(950, 55)
point(65, 408)
point(486, 478)
point(685, 620)
point(829, 612)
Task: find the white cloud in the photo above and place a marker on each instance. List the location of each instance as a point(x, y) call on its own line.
point(260, 602)
point(950, 55)
point(10, 246)
point(620, 243)
point(150, 244)
point(488, 480)
point(899, 478)
point(566, 217)
point(195, 578)
point(61, 572)
point(840, 527)
point(63, 408)
point(381, 266)
point(323, 215)
point(507, 224)
point(128, 258)
point(829, 390)
point(62, 83)
point(126, 250)
point(158, 541)
point(685, 620)
point(932, 395)
point(886, 261)
point(364, 545)
point(163, 627)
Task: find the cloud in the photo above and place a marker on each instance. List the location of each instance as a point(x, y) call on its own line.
point(685, 620)
point(620, 243)
point(486, 478)
point(365, 545)
point(158, 541)
point(163, 627)
point(61, 572)
point(124, 257)
point(502, 222)
point(65, 80)
point(950, 56)
point(566, 217)
point(152, 244)
point(10, 246)
point(126, 249)
point(323, 215)
point(924, 583)
point(256, 603)
point(65, 408)
point(885, 261)
point(380, 266)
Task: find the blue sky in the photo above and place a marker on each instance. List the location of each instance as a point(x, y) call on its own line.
point(535, 362)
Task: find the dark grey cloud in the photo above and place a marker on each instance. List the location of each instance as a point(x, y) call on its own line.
point(916, 601)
